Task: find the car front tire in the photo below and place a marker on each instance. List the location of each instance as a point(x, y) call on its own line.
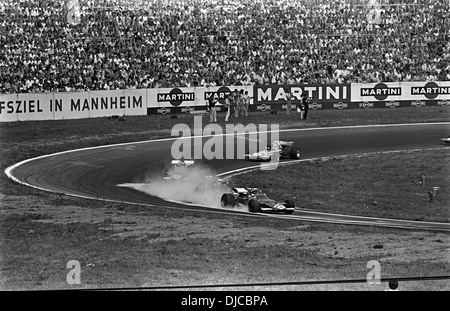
point(254, 206)
point(295, 154)
point(289, 204)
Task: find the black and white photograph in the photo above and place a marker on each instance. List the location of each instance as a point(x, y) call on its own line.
point(223, 154)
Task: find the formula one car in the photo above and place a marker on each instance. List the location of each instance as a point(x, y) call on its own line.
point(446, 140)
point(179, 170)
point(285, 149)
point(255, 200)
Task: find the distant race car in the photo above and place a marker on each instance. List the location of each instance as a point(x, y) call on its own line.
point(446, 140)
point(255, 200)
point(179, 171)
point(285, 149)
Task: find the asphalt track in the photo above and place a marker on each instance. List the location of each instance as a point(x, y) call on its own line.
point(96, 172)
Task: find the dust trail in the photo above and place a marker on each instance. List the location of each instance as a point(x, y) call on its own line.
point(195, 185)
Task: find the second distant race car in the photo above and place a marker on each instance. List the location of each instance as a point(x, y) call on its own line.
point(255, 200)
point(184, 171)
point(179, 170)
point(285, 149)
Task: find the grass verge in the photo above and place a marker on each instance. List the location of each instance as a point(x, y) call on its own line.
point(378, 185)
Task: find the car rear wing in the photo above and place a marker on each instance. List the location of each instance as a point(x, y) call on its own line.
point(241, 190)
point(286, 143)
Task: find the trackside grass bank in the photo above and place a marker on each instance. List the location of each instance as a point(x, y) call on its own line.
point(122, 245)
point(378, 185)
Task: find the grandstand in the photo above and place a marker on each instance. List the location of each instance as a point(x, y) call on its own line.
point(55, 45)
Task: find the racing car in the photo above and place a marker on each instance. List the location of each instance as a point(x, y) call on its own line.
point(446, 140)
point(255, 200)
point(179, 171)
point(285, 149)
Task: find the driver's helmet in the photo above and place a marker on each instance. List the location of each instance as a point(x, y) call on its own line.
point(254, 191)
point(276, 145)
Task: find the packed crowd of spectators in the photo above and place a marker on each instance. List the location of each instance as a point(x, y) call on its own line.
point(166, 43)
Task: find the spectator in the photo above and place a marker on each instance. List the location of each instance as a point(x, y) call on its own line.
point(246, 103)
point(288, 103)
point(227, 107)
point(130, 44)
point(305, 105)
point(212, 108)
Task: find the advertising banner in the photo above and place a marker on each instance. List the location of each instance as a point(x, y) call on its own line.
point(91, 104)
point(72, 105)
point(185, 100)
point(321, 96)
point(27, 107)
point(400, 94)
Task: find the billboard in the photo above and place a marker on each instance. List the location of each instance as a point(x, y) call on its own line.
point(401, 94)
point(321, 96)
point(71, 105)
point(91, 104)
point(185, 100)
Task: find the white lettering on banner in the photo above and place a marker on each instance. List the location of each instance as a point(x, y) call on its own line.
point(296, 92)
point(176, 96)
point(326, 92)
point(387, 91)
point(400, 91)
point(264, 95)
point(281, 94)
point(430, 90)
point(310, 90)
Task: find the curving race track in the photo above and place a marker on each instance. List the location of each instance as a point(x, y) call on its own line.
point(95, 172)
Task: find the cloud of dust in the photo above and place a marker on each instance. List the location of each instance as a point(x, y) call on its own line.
point(195, 185)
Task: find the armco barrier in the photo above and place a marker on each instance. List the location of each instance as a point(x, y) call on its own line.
point(90, 104)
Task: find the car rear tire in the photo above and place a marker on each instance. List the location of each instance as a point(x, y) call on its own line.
point(253, 206)
point(295, 154)
point(227, 200)
point(289, 204)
